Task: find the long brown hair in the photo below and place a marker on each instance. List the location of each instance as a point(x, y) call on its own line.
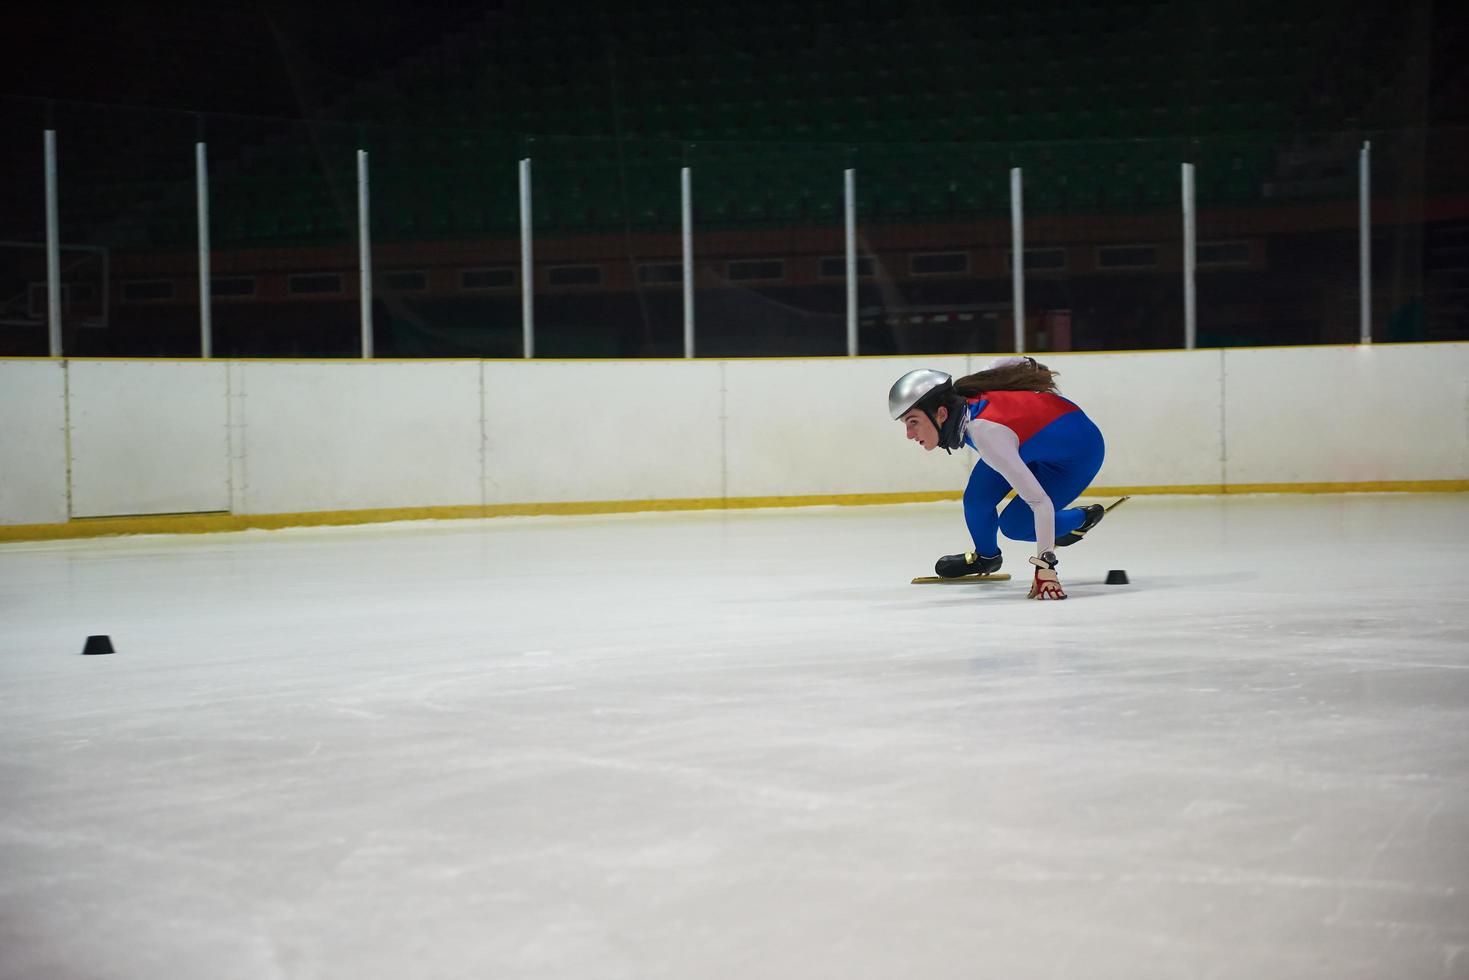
point(1027, 375)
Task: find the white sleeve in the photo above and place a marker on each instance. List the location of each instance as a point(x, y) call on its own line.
point(999, 446)
point(1010, 361)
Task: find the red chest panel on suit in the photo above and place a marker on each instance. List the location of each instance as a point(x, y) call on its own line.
point(1023, 412)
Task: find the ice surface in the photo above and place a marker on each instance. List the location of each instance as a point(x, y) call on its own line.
point(741, 745)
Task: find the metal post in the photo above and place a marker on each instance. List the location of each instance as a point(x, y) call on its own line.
point(1017, 257)
point(687, 207)
point(849, 210)
point(53, 249)
point(206, 312)
point(527, 270)
point(1364, 237)
point(1190, 233)
point(364, 253)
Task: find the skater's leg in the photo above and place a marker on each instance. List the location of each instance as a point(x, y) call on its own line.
point(1017, 520)
point(1065, 457)
point(983, 494)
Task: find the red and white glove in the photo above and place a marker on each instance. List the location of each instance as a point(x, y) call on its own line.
point(1046, 585)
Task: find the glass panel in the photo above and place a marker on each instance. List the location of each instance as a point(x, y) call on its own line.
point(1104, 240)
point(935, 218)
point(446, 245)
point(23, 329)
point(284, 212)
point(1445, 235)
point(1401, 243)
point(607, 247)
point(129, 279)
point(1277, 239)
point(767, 217)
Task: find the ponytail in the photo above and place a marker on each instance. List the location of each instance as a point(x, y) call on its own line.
point(1010, 374)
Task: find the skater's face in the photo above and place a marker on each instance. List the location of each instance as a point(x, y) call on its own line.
point(918, 428)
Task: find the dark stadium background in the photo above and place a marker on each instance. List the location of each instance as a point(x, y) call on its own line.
point(767, 102)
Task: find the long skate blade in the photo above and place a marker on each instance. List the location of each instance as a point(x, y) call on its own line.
point(1116, 503)
point(961, 580)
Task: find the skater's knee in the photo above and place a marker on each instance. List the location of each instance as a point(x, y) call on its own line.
point(1017, 522)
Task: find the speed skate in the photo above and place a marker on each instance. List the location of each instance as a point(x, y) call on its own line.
point(1071, 538)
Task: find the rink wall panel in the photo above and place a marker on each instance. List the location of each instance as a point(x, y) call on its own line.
point(32, 442)
point(1160, 414)
point(822, 427)
point(148, 437)
point(560, 431)
point(287, 440)
point(1347, 414)
point(356, 435)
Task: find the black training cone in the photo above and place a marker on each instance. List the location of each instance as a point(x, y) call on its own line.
point(1117, 577)
point(97, 644)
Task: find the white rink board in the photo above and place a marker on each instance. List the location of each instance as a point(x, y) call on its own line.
point(1348, 414)
point(1159, 413)
point(573, 431)
point(353, 435)
point(148, 437)
point(292, 437)
point(32, 442)
point(822, 427)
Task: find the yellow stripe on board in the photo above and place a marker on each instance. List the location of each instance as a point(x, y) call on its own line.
point(1360, 486)
point(93, 527)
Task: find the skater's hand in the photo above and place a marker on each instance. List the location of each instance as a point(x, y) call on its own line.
point(1046, 585)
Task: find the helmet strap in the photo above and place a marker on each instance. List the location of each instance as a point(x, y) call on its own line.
point(951, 433)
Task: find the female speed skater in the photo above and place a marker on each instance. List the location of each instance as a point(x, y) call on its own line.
point(1028, 437)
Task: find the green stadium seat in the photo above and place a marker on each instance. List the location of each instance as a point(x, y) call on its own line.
point(915, 104)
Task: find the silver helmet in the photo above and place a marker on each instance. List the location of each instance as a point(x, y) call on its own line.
point(912, 387)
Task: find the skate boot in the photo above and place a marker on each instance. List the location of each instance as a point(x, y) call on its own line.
point(1094, 514)
point(969, 563)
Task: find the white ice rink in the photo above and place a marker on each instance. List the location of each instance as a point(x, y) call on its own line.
point(741, 745)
